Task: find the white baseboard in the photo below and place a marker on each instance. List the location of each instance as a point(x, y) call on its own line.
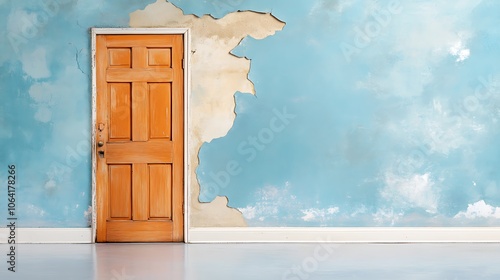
point(282, 235)
point(48, 235)
point(344, 235)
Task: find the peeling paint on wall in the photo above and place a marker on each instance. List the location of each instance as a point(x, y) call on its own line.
point(397, 118)
point(216, 76)
point(392, 109)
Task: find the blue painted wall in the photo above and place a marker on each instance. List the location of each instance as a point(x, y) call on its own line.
point(45, 105)
point(367, 113)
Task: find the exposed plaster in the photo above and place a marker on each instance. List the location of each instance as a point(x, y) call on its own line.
point(216, 76)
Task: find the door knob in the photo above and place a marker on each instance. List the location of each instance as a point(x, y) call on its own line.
point(100, 143)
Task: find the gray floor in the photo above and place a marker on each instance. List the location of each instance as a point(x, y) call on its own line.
point(253, 261)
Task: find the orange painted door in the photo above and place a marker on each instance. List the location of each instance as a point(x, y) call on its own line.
point(139, 138)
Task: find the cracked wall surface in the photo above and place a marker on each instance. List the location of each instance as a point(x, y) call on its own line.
point(216, 75)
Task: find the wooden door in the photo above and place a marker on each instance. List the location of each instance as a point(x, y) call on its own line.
point(139, 138)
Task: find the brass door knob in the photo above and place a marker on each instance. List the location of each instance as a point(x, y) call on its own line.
point(100, 143)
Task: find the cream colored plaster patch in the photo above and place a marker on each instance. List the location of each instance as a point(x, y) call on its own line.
point(215, 77)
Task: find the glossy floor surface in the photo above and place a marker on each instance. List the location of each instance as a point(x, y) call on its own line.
point(253, 261)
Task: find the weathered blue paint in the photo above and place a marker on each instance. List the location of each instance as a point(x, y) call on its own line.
point(395, 117)
point(45, 105)
point(396, 124)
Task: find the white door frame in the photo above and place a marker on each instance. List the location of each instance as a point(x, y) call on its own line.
point(144, 31)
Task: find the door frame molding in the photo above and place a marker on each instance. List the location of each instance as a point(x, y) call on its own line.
point(187, 91)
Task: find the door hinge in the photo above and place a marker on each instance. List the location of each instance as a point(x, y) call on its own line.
point(183, 66)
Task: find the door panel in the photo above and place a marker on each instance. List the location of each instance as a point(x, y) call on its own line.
point(140, 126)
point(160, 113)
point(120, 186)
point(119, 111)
point(160, 176)
point(160, 56)
point(119, 57)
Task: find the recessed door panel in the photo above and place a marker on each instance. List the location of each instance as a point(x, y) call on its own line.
point(160, 191)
